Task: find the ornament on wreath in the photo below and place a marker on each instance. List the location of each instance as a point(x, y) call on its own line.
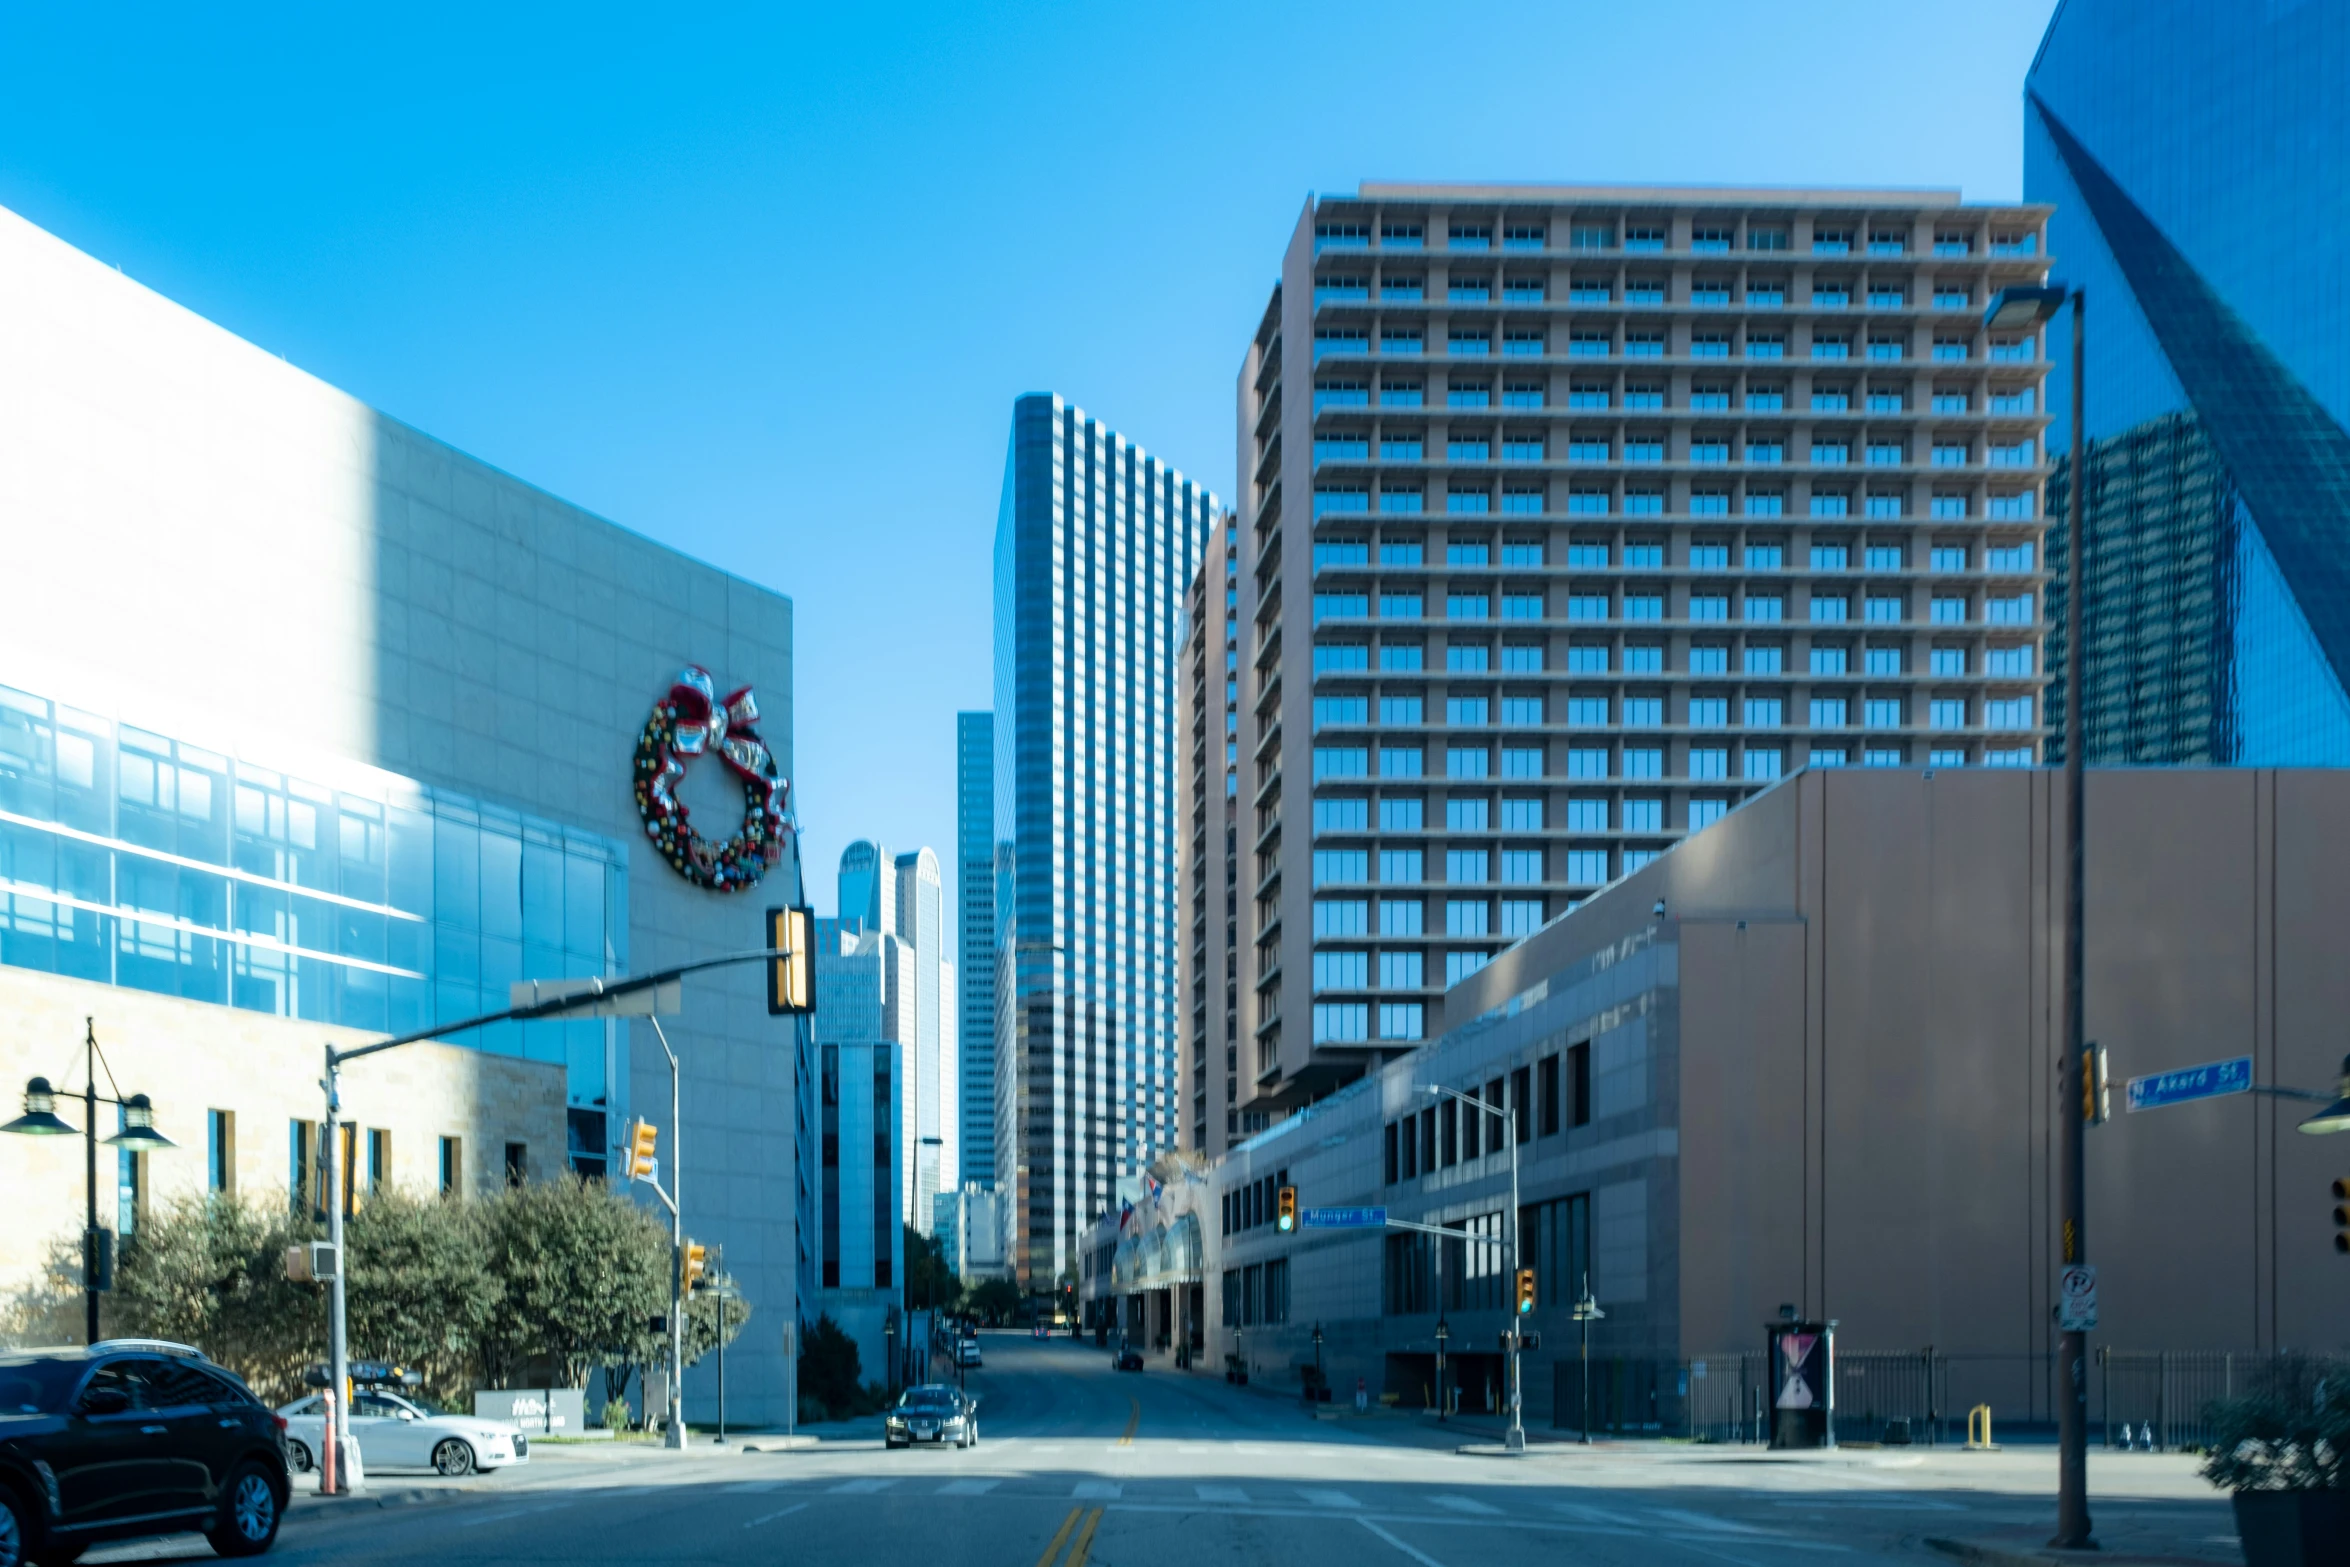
point(688, 722)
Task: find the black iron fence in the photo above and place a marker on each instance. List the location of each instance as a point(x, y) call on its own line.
point(1918, 1397)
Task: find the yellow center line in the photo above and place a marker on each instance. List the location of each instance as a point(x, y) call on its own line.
point(1054, 1549)
point(1133, 1419)
point(1077, 1552)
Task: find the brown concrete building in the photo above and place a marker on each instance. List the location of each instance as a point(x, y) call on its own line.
point(1575, 516)
point(1809, 1058)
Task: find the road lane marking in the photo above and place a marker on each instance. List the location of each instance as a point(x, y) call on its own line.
point(1133, 1419)
point(780, 1512)
point(1329, 1498)
point(968, 1487)
point(1465, 1504)
point(1053, 1548)
point(1598, 1515)
point(751, 1487)
point(505, 1513)
point(1221, 1493)
point(1636, 1531)
point(1707, 1521)
point(1422, 1557)
point(864, 1487)
point(1098, 1490)
point(1084, 1546)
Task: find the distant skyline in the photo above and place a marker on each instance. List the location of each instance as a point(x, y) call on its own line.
point(765, 287)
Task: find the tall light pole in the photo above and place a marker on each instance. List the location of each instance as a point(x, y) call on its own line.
point(1514, 1439)
point(138, 1134)
point(2024, 309)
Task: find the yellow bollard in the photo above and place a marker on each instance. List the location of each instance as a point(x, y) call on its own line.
point(1978, 1420)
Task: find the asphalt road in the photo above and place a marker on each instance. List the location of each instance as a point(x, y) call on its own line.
point(1081, 1466)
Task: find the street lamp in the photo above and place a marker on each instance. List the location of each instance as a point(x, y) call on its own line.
point(1321, 1377)
point(1515, 1438)
point(138, 1134)
point(1443, 1337)
point(1587, 1312)
point(2334, 1117)
point(2024, 309)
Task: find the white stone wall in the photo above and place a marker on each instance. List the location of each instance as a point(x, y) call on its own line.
point(227, 550)
point(191, 1057)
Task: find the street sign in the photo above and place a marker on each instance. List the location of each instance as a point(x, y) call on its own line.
point(2208, 1081)
point(1343, 1218)
point(2076, 1298)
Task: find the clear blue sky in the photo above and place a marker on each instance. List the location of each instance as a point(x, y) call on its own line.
point(764, 286)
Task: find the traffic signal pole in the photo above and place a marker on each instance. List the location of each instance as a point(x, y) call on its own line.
point(675, 1436)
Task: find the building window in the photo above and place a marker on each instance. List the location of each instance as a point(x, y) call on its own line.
point(452, 1167)
point(220, 1151)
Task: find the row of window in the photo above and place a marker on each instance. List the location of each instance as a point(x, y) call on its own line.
point(1823, 608)
point(1703, 763)
point(1703, 554)
point(1632, 712)
point(1760, 293)
point(1340, 918)
point(1593, 342)
point(1656, 236)
point(1703, 446)
point(1758, 658)
point(1584, 500)
point(1338, 393)
point(1251, 1206)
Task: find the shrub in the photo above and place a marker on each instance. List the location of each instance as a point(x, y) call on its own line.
point(830, 1368)
point(2291, 1433)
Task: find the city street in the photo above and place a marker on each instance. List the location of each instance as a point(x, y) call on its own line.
point(1079, 1464)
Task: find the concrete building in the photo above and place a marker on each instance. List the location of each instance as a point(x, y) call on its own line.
point(975, 941)
point(2217, 543)
point(1095, 544)
point(315, 727)
point(1575, 517)
point(933, 1091)
point(1808, 1059)
point(972, 1224)
point(1216, 1005)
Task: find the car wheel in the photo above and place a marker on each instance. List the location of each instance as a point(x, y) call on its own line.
point(298, 1457)
point(12, 1529)
point(453, 1458)
point(249, 1514)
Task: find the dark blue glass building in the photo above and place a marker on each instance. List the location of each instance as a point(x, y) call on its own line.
point(2198, 156)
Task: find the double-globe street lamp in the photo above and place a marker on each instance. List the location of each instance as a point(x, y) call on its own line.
point(1515, 1438)
point(138, 1135)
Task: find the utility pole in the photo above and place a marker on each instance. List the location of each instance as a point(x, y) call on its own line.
point(338, 1342)
point(674, 1438)
point(2073, 1530)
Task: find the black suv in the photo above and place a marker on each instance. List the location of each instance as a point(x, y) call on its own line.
point(132, 1437)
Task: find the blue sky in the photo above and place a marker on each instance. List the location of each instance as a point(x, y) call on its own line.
point(763, 285)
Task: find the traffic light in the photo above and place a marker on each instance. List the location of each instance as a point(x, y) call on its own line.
point(1525, 1290)
point(643, 1147)
point(790, 990)
point(695, 1262)
point(2096, 1086)
point(1285, 1219)
point(2342, 1217)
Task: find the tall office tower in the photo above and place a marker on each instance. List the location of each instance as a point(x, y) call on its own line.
point(1095, 543)
point(868, 887)
point(859, 1245)
point(1215, 1016)
point(1592, 513)
point(975, 938)
point(933, 1104)
point(2196, 153)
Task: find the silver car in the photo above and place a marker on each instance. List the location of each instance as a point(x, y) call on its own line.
point(932, 1413)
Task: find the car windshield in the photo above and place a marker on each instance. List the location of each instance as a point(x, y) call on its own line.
point(35, 1387)
point(928, 1398)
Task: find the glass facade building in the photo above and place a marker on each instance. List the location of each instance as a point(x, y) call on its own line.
point(137, 859)
point(1096, 542)
point(975, 938)
point(2198, 157)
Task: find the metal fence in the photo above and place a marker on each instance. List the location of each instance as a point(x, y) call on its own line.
point(1921, 1397)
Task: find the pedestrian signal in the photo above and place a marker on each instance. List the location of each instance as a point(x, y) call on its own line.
point(1285, 1218)
point(644, 1140)
point(1525, 1290)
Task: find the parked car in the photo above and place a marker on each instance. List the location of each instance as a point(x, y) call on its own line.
point(932, 1412)
point(1130, 1359)
point(396, 1433)
point(133, 1437)
point(967, 1352)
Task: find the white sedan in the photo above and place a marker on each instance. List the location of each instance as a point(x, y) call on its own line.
point(395, 1434)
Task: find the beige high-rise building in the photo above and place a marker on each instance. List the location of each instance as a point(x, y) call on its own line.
point(1573, 517)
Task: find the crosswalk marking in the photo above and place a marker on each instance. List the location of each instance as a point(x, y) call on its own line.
point(1465, 1504)
point(1097, 1490)
point(1598, 1515)
point(865, 1487)
point(1329, 1498)
point(511, 1512)
point(1221, 1493)
point(1707, 1521)
point(780, 1512)
point(968, 1487)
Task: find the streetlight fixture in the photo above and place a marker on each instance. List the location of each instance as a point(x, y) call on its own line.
point(138, 1135)
point(1587, 1312)
point(1443, 1337)
point(2335, 1117)
point(2026, 309)
point(1514, 1439)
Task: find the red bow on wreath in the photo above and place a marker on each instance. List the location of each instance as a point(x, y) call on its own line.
point(690, 721)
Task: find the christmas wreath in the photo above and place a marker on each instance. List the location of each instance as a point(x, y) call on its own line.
point(692, 720)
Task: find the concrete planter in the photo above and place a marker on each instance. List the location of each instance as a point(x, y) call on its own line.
point(2294, 1528)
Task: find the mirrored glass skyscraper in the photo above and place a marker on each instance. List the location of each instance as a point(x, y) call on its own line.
point(1096, 542)
point(975, 937)
point(2197, 153)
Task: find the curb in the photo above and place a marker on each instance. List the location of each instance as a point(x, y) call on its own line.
point(322, 1507)
point(1978, 1554)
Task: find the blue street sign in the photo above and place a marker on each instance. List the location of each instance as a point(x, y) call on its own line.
point(1344, 1218)
point(2208, 1081)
